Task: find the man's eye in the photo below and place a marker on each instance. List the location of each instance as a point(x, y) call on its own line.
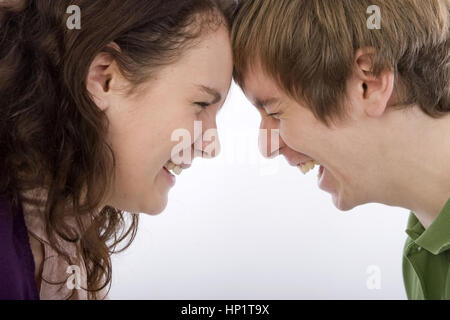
point(273, 115)
point(203, 105)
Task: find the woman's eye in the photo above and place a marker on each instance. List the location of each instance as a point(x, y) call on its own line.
point(202, 104)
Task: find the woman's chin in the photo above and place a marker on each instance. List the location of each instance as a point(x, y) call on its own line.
point(152, 212)
point(151, 204)
point(154, 205)
point(156, 200)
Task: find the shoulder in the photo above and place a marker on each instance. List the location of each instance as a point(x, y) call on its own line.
point(16, 261)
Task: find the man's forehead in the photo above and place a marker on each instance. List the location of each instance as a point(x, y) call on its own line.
point(258, 86)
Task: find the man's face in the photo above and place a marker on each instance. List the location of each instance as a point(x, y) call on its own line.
point(342, 152)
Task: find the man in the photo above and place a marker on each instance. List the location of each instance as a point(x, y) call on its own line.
point(370, 104)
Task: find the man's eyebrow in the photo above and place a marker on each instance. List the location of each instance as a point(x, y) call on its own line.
point(265, 102)
point(213, 92)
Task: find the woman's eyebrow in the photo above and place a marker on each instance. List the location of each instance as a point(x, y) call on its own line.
point(213, 92)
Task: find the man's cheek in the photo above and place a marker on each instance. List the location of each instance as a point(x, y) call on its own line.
point(292, 136)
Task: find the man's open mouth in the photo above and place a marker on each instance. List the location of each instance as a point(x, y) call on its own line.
point(307, 166)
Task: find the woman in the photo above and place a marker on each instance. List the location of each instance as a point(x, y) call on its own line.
point(87, 116)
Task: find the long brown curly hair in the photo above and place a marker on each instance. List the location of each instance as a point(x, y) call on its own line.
point(52, 135)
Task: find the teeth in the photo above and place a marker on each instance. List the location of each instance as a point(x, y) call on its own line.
point(174, 168)
point(308, 166)
point(177, 170)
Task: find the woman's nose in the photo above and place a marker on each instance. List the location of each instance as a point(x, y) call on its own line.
point(210, 144)
point(270, 141)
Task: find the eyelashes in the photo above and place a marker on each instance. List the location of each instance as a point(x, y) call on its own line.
point(202, 105)
point(274, 115)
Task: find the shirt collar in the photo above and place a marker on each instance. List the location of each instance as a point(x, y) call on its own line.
point(436, 238)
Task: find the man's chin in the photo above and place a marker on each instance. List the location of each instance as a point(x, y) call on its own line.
point(341, 203)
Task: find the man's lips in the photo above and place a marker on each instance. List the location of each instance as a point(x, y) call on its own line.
point(301, 161)
point(295, 162)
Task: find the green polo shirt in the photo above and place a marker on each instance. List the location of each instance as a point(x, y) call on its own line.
point(426, 258)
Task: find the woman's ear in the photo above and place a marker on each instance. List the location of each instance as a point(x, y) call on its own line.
point(374, 92)
point(99, 78)
point(102, 72)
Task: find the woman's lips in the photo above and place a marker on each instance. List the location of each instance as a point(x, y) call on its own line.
point(177, 169)
point(169, 176)
point(170, 170)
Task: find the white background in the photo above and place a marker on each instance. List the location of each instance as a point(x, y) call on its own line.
point(243, 227)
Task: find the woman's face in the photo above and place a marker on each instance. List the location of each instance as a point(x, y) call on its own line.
point(141, 126)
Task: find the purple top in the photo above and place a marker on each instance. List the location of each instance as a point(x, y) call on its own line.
point(16, 258)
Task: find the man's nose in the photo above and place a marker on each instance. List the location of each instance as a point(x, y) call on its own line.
point(270, 141)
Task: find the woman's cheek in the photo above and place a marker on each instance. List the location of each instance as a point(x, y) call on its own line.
point(181, 138)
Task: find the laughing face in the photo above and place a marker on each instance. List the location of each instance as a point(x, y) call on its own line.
point(346, 154)
point(141, 127)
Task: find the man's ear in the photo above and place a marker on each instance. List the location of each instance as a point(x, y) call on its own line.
point(374, 91)
point(102, 72)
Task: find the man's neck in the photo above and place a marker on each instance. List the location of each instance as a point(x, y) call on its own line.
point(421, 180)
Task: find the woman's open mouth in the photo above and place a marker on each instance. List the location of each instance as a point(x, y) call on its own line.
point(172, 168)
point(169, 176)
